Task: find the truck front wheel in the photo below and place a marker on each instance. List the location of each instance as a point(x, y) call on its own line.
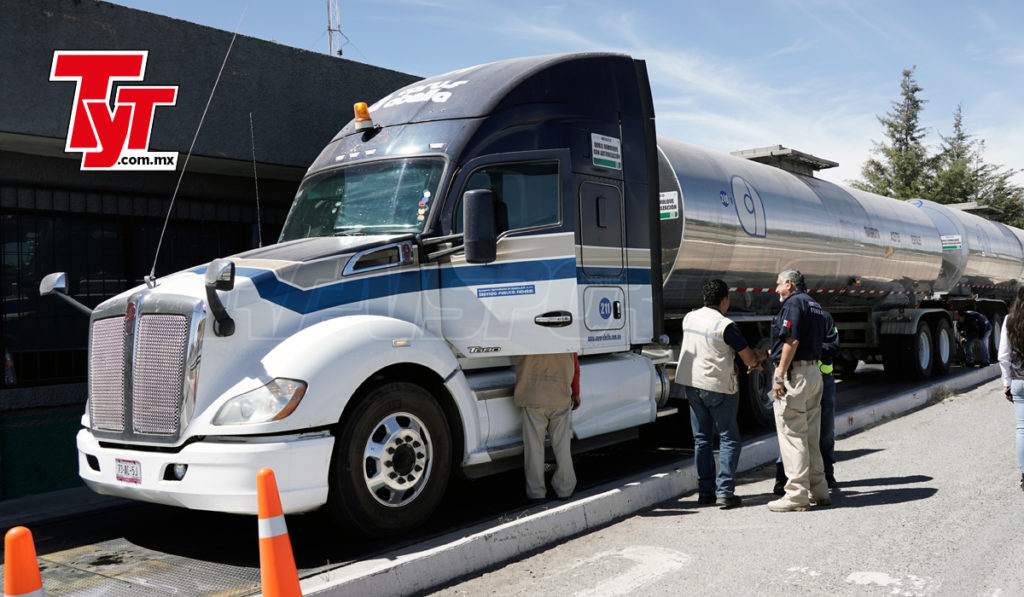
point(391, 461)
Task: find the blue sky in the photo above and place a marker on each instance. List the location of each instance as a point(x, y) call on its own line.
point(807, 74)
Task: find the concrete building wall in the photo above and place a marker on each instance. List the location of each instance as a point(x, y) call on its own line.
point(101, 227)
point(298, 99)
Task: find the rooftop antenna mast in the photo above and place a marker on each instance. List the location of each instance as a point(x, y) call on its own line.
point(334, 33)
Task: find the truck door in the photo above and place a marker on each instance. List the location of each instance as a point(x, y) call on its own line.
point(603, 275)
point(525, 301)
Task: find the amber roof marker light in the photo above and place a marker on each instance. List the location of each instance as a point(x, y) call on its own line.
point(363, 120)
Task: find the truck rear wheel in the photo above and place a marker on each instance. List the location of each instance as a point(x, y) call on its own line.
point(755, 404)
point(997, 320)
point(391, 461)
point(844, 365)
point(909, 357)
point(942, 336)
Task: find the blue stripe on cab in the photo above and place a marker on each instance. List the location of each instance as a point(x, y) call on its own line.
point(354, 289)
point(613, 275)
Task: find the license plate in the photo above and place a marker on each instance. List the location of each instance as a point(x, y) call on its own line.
point(129, 471)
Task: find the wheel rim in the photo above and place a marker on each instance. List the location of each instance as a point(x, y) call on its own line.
point(924, 350)
point(396, 459)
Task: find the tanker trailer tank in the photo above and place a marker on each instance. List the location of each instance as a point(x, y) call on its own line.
point(994, 259)
point(743, 222)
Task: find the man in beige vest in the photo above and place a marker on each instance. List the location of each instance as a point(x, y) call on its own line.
point(547, 388)
point(707, 370)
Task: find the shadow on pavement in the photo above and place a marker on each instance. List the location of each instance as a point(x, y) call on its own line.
point(881, 497)
point(883, 481)
point(674, 508)
point(842, 455)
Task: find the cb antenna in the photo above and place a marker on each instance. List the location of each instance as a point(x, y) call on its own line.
point(252, 135)
point(151, 278)
point(334, 29)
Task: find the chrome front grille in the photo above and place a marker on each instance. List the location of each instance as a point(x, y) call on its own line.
point(158, 373)
point(106, 374)
point(144, 367)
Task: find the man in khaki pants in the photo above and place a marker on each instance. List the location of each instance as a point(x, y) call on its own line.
point(547, 388)
point(797, 334)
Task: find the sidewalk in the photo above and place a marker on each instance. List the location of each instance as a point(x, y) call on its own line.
point(468, 551)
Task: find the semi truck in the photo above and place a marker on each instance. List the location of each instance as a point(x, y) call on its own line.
point(520, 207)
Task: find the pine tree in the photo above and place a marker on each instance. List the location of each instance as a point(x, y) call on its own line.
point(902, 170)
point(960, 174)
point(1001, 193)
point(958, 170)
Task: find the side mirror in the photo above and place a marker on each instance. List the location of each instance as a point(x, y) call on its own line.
point(57, 285)
point(480, 239)
point(220, 274)
point(56, 282)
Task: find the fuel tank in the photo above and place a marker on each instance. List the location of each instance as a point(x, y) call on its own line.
point(731, 218)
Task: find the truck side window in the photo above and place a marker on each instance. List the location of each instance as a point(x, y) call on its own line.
point(526, 195)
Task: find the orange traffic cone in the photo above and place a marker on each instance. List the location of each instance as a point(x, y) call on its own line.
point(277, 564)
point(21, 570)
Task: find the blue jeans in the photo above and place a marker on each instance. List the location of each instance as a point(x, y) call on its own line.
point(828, 429)
point(828, 423)
point(709, 410)
point(1017, 389)
point(971, 338)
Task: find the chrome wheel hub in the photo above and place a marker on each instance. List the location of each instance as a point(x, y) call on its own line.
point(396, 459)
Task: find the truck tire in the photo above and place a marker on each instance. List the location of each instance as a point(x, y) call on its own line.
point(391, 461)
point(996, 319)
point(909, 357)
point(942, 337)
point(755, 405)
point(844, 366)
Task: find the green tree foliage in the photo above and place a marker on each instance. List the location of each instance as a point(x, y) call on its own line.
point(1001, 193)
point(902, 167)
point(958, 173)
point(958, 170)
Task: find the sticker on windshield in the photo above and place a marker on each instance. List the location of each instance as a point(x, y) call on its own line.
point(607, 151)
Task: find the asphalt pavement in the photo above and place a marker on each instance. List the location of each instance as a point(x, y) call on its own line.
point(417, 567)
point(928, 504)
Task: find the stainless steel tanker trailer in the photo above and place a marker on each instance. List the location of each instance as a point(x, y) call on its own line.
point(524, 206)
point(889, 271)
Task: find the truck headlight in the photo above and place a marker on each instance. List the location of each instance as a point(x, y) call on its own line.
point(274, 401)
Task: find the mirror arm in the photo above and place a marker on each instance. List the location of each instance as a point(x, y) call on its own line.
point(77, 305)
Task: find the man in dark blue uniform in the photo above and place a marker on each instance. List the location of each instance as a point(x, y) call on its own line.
point(974, 327)
point(797, 334)
point(829, 351)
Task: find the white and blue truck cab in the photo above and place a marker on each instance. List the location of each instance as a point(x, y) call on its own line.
point(520, 207)
point(367, 356)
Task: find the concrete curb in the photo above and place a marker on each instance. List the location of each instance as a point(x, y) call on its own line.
point(467, 551)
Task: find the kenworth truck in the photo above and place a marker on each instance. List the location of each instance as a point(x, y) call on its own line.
point(523, 206)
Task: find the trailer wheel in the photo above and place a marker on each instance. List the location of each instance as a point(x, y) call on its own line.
point(996, 319)
point(844, 366)
point(909, 357)
point(942, 334)
point(756, 406)
point(391, 461)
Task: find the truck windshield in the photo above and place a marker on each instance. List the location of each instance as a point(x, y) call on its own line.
point(381, 197)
